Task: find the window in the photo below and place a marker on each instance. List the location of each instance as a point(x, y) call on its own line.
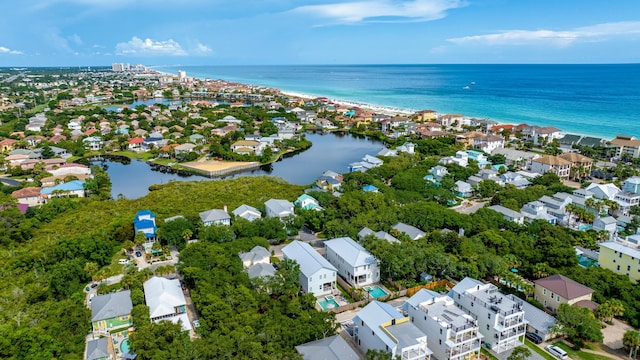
point(487, 326)
point(620, 255)
point(544, 291)
point(489, 316)
point(440, 331)
point(618, 267)
point(558, 298)
point(472, 304)
point(628, 267)
point(552, 295)
point(310, 279)
point(440, 341)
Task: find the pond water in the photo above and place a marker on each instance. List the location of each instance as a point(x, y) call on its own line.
point(329, 152)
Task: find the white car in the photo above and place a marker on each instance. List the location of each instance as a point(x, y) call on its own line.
point(123, 261)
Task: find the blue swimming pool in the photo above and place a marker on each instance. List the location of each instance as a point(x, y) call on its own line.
point(124, 346)
point(375, 291)
point(328, 302)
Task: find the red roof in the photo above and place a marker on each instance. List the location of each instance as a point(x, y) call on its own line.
point(136, 140)
point(26, 192)
point(563, 286)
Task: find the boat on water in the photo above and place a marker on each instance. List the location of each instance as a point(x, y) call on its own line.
point(473, 83)
point(466, 88)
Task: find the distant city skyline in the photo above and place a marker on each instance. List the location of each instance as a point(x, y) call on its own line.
point(284, 32)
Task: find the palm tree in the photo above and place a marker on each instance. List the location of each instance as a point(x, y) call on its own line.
point(540, 270)
point(631, 339)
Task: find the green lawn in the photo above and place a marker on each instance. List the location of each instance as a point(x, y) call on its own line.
point(580, 354)
point(134, 155)
point(488, 354)
point(539, 350)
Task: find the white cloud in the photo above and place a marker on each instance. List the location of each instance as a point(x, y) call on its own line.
point(598, 32)
point(4, 50)
point(137, 46)
point(201, 49)
point(76, 39)
point(378, 10)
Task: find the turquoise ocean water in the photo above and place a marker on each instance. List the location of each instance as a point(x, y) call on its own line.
point(597, 100)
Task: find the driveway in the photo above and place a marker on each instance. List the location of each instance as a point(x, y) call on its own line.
point(613, 334)
point(470, 206)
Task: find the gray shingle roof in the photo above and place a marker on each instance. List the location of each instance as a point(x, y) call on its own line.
point(261, 270)
point(352, 252)
point(111, 305)
point(308, 259)
point(412, 231)
point(331, 348)
point(214, 215)
point(97, 349)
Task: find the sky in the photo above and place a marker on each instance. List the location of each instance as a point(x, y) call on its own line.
point(284, 32)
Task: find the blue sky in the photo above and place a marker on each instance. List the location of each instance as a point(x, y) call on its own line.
point(264, 32)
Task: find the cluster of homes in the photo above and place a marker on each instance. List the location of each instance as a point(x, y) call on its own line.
point(111, 319)
point(453, 325)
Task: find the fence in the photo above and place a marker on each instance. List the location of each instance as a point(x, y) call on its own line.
point(430, 286)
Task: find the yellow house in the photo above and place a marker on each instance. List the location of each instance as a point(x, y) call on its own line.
point(621, 259)
point(557, 289)
point(425, 116)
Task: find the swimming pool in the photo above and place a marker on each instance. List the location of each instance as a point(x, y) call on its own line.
point(585, 227)
point(586, 262)
point(375, 291)
point(328, 302)
point(124, 346)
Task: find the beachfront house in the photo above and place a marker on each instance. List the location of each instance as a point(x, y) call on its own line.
point(317, 276)
point(166, 301)
point(247, 212)
point(411, 231)
point(451, 332)
point(500, 318)
point(557, 289)
point(355, 264)
point(279, 208)
point(379, 326)
point(215, 217)
point(111, 312)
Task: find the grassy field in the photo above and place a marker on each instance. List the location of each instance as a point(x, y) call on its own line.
point(539, 350)
point(580, 354)
point(134, 155)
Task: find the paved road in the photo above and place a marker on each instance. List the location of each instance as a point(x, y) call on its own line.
point(12, 78)
point(470, 206)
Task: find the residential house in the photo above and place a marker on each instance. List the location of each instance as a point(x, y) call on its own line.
point(382, 235)
point(413, 232)
point(626, 146)
point(368, 162)
point(317, 276)
point(536, 210)
point(508, 214)
point(111, 312)
point(100, 349)
point(70, 169)
point(184, 149)
point(329, 183)
point(29, 195)
point(248, 147)
point(558, 289)
point(247, 212)
point(463, 189)
point(580, 165)
point(438, 173)
point(607, 223)
point(500, 318)
point(556, 206)
point(135, 144)
point(330, 348)
point(7, 145)
point(425, 115)
point(355, 264)
point(538, 321)
point(215, 217)
point(461, 158)
point(632, 185)
point(166, 301)
point(516, 157)
point(94, 143)
point(145, 221)
point(197, 139)
point(279, 208)
point(478, 157)
point(621, 257)
point(488, 143)
point(257, 255)
point(74, 188)
point(452, 121)
point(306, 202)
point(541, 135)
point(603, 191)
point(552, 164)
point(515, 179)
point(451, 332)
point(379, 326)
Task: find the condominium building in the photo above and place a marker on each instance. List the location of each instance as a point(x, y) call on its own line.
point(452, 334)
point(500, 318)
point(621, 257)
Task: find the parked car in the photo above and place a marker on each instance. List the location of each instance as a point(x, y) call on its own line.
point(196, 323)
point(557, 352)
point(535, 338)
point(138, 254)
point(93, 285)
point(123, 261)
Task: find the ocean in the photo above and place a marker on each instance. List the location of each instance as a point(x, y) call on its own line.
point(596, 100)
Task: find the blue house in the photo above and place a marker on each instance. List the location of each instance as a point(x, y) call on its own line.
point(145, 221)
point(74, 188)
point(479, 157)
point(307, 202)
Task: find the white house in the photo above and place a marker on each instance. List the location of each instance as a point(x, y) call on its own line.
point(317, 275)
point(355, 264)
point(508, 214)
point(451, 332)
point(278, 208)
point(247, 212)
point(166, 301)
point(93, 143)
point(215, 217)
point(413, 232)
point(257, 255)
point(461, 158)
point(500, 318)
point(603, 191)
point(607, 223)
point(379, 326)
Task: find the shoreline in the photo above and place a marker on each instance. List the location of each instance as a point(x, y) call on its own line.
point(388, 110)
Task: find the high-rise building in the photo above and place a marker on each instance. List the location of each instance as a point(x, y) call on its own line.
point(117, 67)
point(182, 76)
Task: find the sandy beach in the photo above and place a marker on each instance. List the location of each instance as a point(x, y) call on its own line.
point(214, 167)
